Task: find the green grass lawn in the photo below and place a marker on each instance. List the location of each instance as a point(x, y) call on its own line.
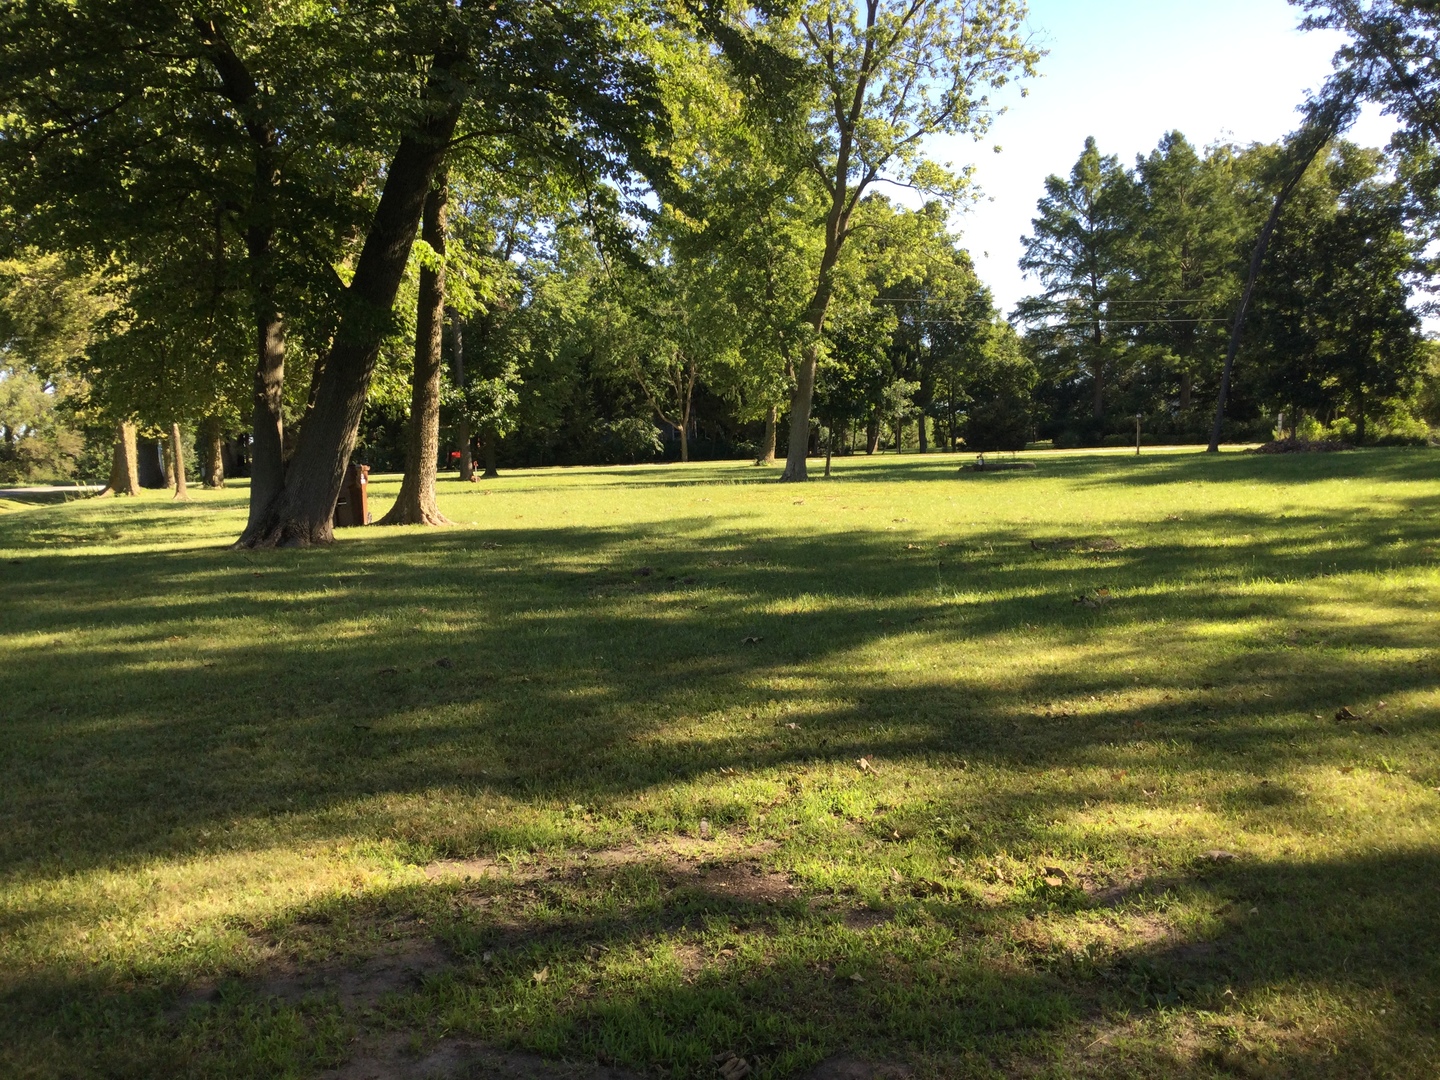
point(582, 776)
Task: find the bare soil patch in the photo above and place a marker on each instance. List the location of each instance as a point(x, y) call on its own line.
point(845, 1068)
point(392, 1058)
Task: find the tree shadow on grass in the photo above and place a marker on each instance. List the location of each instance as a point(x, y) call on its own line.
point(156, 696)
point(642, 967)
point(155, 699)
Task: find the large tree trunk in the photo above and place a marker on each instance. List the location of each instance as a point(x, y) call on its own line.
point(872, 434)
point(800, 401)
point(177, 462)
point(804, 396)
point(492, 468)
point(457, 374)
point(124, 465)
point(684, 441)
point(416, 502)
point(212, 464)
point(924, 438)
point(302, 512)
point(767, 444)
point(1187, 388)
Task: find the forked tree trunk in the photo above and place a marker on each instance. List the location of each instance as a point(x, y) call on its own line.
point(416, 503)
point(302, 513)
point(124, 465)
point(212, 464)
point(457, 374)
point(767, 444)
point(177, 462)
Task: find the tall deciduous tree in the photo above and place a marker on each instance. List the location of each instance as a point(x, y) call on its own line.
point(891, 74)
point(415, 505)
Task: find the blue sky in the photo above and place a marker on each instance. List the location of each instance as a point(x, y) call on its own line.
point(1127, 71)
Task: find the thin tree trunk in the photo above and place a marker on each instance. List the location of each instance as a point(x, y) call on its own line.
point(124, 465)
point(492, 469)
point(767, 445)
point(924, 436)
point(457, 374)
point(212, 464)
point(1098, 370)
point(177, 461)
point(1359, 417)
point(416, 503)
point(302, 513)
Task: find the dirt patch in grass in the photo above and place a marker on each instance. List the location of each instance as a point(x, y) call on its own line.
point(396, 1057)
point(358, 986)
point(1082, 544)
point(863, 920)
point(745, 881)
point(846, 1068)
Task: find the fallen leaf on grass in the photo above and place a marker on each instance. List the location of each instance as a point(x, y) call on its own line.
point(896, 876)
point(704, 829)
point(1380, 729)
point(856, 977)
point(793, 727)
point(542, 975)
point(1054, 882)
point(1058, 874)
point(1219, 855)
point(752, 640)
point(1345, 714)
point(863, 764)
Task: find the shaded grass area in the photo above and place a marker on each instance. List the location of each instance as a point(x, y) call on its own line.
point(1106, 822)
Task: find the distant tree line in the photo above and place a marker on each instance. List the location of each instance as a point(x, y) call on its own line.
point(1141, 271)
